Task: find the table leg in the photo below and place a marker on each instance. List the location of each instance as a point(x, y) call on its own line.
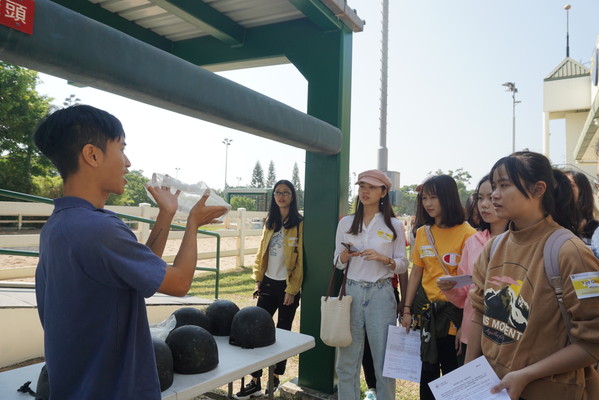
point(271, 375)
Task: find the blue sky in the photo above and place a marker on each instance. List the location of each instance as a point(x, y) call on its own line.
point(447, 108)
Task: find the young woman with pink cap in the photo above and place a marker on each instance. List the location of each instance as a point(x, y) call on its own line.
point(379, 252)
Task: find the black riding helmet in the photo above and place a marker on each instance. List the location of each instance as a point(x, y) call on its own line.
point(192, 316)
point(194, 349)
point(221, 313)
point(164, 363)
point(252, 327)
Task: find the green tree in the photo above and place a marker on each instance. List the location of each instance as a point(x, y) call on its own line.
point(21, 109)
point(135, 191)
point(47, 186)
point(243, 202)
point(257, 176)
point(462, 179)
point(136, 187)
point(407, 200)
point(295, 179)
point(350, 200)
point(271, 178)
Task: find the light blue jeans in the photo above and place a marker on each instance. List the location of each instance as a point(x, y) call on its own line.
point(373, 309)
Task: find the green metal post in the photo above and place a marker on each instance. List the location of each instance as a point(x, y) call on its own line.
point(329, 97)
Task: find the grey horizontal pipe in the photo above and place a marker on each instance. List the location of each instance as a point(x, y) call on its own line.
point(71, 46)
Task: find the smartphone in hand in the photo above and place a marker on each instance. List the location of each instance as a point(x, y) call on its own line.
point(350, 248)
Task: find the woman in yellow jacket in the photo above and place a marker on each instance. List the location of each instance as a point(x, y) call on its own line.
point(278, 270)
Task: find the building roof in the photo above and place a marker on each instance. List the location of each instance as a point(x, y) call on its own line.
point(225, 20)
point(568, 68)
point(150, 51)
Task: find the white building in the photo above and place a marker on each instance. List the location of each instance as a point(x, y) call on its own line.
point(570, 92)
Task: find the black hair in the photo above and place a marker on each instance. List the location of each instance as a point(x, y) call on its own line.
point(483, 225)
point(420, 212)
point(525, 169)
point(384, 207)
point(273, 219)
point(585, 203)
point(471, 210)
point(62, 135)
point(446, 189)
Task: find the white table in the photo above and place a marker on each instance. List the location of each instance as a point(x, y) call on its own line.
point(234, 363)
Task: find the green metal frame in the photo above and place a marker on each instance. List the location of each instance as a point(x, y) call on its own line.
point(320, 47)
point(329, 98)
point(38, 199)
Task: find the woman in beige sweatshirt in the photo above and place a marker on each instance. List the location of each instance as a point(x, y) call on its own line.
point(517, 323)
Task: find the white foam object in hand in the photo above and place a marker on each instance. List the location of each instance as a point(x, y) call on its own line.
point(190, 194)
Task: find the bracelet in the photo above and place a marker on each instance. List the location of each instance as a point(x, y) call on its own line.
point(407, 313)
point(407, 306)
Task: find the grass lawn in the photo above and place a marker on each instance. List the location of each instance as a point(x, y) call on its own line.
point(237, 285)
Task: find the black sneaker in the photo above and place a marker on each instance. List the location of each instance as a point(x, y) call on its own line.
point(275, 386)
point(252, 389)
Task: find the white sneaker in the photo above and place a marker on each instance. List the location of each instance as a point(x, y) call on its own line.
point(370, 394)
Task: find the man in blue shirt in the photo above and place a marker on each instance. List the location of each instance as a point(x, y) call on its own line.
point(93, 275)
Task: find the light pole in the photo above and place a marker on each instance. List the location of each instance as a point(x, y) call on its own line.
point(227, 143)
point(177, 172)
point(72, 100)
point(567, 8)
point(511, 87)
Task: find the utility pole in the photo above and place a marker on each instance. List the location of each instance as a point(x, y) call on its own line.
point(567, 8)
point(383, 153)
point(227, 143)
point(511, 87)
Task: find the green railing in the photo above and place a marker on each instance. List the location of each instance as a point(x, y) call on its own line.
point(38, 199)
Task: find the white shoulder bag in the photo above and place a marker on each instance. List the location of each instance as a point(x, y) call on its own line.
point(335, 315)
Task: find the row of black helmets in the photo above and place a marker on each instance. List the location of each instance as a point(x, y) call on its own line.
point(190, 348)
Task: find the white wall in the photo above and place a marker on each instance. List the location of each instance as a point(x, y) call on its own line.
point(567, 94)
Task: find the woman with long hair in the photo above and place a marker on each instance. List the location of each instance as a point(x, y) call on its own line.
point(372, 246)
point(517, 323)
point(437, 251)
point(585, 201)
point(278, 270)
point(489, 226)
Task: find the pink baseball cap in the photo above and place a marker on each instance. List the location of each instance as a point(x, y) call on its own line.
point(375, 177)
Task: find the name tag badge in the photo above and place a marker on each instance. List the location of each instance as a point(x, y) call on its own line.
point(385, 235)
point(586, 284)
point(291, 241)
point(426, 251)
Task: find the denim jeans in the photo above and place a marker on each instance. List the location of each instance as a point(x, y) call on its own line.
point(373, 309)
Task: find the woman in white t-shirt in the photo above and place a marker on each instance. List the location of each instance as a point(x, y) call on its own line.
point(378, 251)
point(278, 270)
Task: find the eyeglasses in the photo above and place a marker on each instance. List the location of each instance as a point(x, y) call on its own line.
point(279, 194)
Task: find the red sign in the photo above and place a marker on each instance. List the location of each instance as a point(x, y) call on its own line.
point(18, 14)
